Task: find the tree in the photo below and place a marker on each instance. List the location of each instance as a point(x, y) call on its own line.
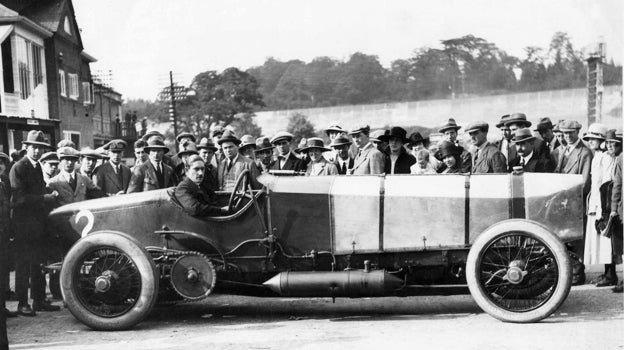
point(567, 68)
point(244, 124)
point(361, 80)
point(300, 126)
point(533, 69)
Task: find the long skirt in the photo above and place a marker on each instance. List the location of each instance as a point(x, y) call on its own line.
point(597, 247)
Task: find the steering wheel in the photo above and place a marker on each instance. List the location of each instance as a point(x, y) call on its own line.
point(239, 192)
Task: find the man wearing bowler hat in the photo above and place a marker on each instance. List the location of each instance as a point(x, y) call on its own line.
point(153, 174)
point(343, 161)
point(449, 132)
point(234, 164)
point(29, 199)
point(368, 161)
point(527, 159)
point(113, 177)
point(286, 160)
point(398, 161)
point(486, 157)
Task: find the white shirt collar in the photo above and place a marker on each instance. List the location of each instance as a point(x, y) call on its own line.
point(33, 162)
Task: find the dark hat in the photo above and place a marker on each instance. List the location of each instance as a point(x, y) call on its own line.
point(228, 136)
point(206, 143)
point(281, 135)
point(262, 144)
point(66, 143)
point(186, 134)
point(50, 157)
point(36, 137)
point(447, 148)
point(596, 131)
point(523, 135)
point(217, 130)
point(67, 152)
point(188, 148)
point(138, 144)
point(115, 145)
point(315, 143)
point(502, 121)
point(518, 118)
point(450, 124)
point(247, 141)
point(151, 133)
point(360, 129)
point(480, 125)
point(415, 138)
point(614, 135)
point(397, 132)
point(569, 125)
point(90, 153)
point(375, 136)
point(544, 124)
point(156, 144)
point(334, 127)
point(340, 141)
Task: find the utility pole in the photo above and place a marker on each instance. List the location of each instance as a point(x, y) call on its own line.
point(172, 111)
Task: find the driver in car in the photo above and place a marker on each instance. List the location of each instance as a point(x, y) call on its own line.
point(191, 195)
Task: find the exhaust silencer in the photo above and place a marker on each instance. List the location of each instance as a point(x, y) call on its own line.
point(351, 284)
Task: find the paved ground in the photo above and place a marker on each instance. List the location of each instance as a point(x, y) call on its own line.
point(591, 318)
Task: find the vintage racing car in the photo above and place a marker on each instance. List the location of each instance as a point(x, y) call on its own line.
point(499, 236)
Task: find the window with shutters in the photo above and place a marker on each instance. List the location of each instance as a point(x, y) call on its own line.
point(73, 86)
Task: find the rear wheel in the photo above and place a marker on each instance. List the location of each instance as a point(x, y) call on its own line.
point(109, 281)
point(518, 271)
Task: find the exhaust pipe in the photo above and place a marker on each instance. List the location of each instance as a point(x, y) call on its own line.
point(351, 284)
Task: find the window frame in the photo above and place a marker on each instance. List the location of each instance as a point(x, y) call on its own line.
point(73, 91)
point(63, 83)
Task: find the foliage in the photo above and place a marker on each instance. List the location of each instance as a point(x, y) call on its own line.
point(244, 124)
point(300, 126)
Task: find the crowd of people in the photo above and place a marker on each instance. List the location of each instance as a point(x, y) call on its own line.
point(47, 177)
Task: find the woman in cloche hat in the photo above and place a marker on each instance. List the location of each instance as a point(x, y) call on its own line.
point(450, 155)
point(318, 165)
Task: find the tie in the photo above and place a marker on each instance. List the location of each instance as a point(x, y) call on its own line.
point(119, 175)
point(522, 162)
point(476, 156)
point(343, 168)
point(72, 182)
point(229, 166)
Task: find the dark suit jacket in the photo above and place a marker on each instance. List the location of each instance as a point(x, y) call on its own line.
point(537, 164)
point(106, 179)
point(349, 166)
point(577, 162)
point(144, 178)
point(241, 164)
point(28, 188)
point(194, 200)
point(616, 195)
point(292, 163)
point(489, 160)
point(211, 179)
point(402, 164)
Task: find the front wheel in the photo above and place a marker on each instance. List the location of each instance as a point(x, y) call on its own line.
point(518, 271)
point(109, 281)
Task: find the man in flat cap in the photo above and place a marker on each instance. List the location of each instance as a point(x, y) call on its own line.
point(234, 164)
point(486, 157)
point(49, 165)
point(29, 198)
point(113, 177)
point(153, 174)
point(527, 159)
point(576, 158)
point(368, 161)
point(88, 162)
point(449, 133)
point(71, 185)
point(286, 160)
point(343, 161)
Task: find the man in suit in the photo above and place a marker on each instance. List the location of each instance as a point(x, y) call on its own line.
point(343, 161)
point(71, 185)
point(398, 161)
point(545, 129)
point(264, 154)
point(234, 164)
point(113, 177)
point(191, 194)
point(486, 157)
point(180, 169)
point(153, 174)
point(519, 120)
point(368, 161)
point(286, 160)
point(49, 164)
point(505, 144)
point(88, 162)
point(449, 132)
point(29, 199)
point(139, 153)
point(576, 158)
point(333, 131)
point(206, 150)
point(527, 159)
point(5, 235)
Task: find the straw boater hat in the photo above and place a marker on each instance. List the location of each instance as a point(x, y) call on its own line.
point(340, 141)
point(156, 144)
point(518, 118)
point(447, 148)
point(614, 135)
point(36, 138)
point(449, 125)
point(282, 135)
point(544, 124)
point(397, 132)
point(480, 125)
point(189, 148)
point(335, 128)
point(185, 134)
point(375, 136)
point(49, 157)
point(67, 152)
point(263, 144)
point(523, 135)
point(206, 143)
point(502, 121)
point(596, 131)
point(228, 136)
point(315, 143)
point(247, 141)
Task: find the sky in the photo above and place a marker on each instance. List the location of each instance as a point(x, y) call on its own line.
point(140, 41)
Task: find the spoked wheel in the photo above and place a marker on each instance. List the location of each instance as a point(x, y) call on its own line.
point(108, 281)
point(518, 271)
point(239, 193)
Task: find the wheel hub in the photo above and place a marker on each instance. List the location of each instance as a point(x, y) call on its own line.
point(192, 276)
point(515, 274)
point(103, 282)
